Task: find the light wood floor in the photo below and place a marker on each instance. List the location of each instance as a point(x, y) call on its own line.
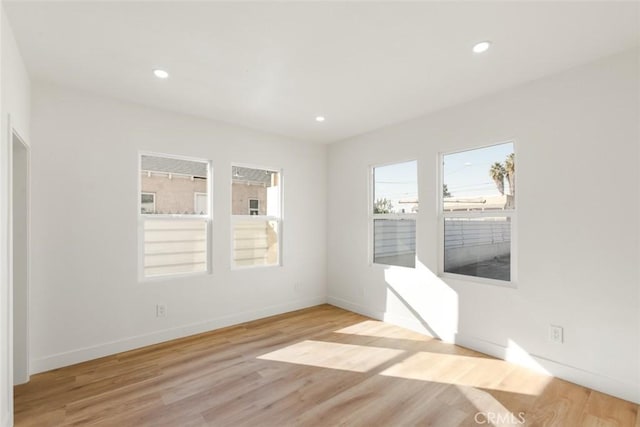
point(321, 366)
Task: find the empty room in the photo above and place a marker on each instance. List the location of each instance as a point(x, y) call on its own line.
point(304, 213)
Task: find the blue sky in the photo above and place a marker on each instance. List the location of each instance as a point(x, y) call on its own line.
point(396, 182)
point(466, 175)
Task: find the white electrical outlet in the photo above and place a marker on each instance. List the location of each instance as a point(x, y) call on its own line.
point(556, 334)
point(161, 310)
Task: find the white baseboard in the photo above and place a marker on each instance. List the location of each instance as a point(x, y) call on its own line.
point(622, 389)
point(106, 349)
point(402, 321)
point(356, 308)
point(410, 323)
point(614, 387)
point(7, 420)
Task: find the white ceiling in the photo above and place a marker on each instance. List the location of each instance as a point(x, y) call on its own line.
point(275, 66)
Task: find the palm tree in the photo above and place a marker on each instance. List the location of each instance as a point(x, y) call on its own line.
point(382, 206)
point(497, 173)
point(510, 169)
point(445, 191)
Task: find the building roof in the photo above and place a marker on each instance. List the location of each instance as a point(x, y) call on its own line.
point(177, 166)
point(242, 174)
point(199, 169)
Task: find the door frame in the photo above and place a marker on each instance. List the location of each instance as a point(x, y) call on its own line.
point(14, 135)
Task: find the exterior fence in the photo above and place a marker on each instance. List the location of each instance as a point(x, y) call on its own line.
point(180, 245)
point(469, 241)
point(394, 237)
point(174, 246)
point(465, 241)
point(255, 242)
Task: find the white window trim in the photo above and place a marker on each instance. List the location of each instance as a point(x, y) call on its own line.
point(177, 217)
point(373, 216)
point(258, 218)
point(442, 214)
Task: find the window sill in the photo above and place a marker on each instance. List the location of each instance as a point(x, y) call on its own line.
point(385, 266)
point(478, 280)
point(165, 277)
point(255, 267)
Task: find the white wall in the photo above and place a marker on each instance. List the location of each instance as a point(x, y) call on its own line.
point(577, 140)
point(14, 101)
point(6, 395)
point(576, 132)
point(86, 299)
point(16, 86)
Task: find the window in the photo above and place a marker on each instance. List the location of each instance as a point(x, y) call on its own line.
point(174, 216)
point(254, 207)
point(478, 212)
point(200, 203)
point(393, 213)
point(255, 216)
point(148, 203)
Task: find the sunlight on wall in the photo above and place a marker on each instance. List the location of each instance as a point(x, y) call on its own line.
point(520, 356)
point(422, 296)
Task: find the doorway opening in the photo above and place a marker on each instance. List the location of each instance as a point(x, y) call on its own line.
point(19, 279)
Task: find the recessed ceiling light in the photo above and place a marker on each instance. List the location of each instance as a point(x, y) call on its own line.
point(481, 47)
point(319, 118)
point(161, 74)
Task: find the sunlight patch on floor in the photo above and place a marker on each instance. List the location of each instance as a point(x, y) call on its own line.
point(331, 355)
point(468, 371)
point(373, 328)
point(465, 371)
point(490, 411)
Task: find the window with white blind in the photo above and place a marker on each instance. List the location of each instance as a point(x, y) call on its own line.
point(255, 216)
point(174, 215)
point(393, 214)
point(478, 213)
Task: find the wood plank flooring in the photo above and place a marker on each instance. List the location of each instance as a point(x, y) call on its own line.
point(321, 366)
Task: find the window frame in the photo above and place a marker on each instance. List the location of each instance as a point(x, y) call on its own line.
point(371, 217)
point(257, 218)
point(493, 213)
point(142, 218)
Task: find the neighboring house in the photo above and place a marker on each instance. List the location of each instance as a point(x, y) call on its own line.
point(173, 186)
point(483, 203)
point(249, 190)
point(408, 206)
